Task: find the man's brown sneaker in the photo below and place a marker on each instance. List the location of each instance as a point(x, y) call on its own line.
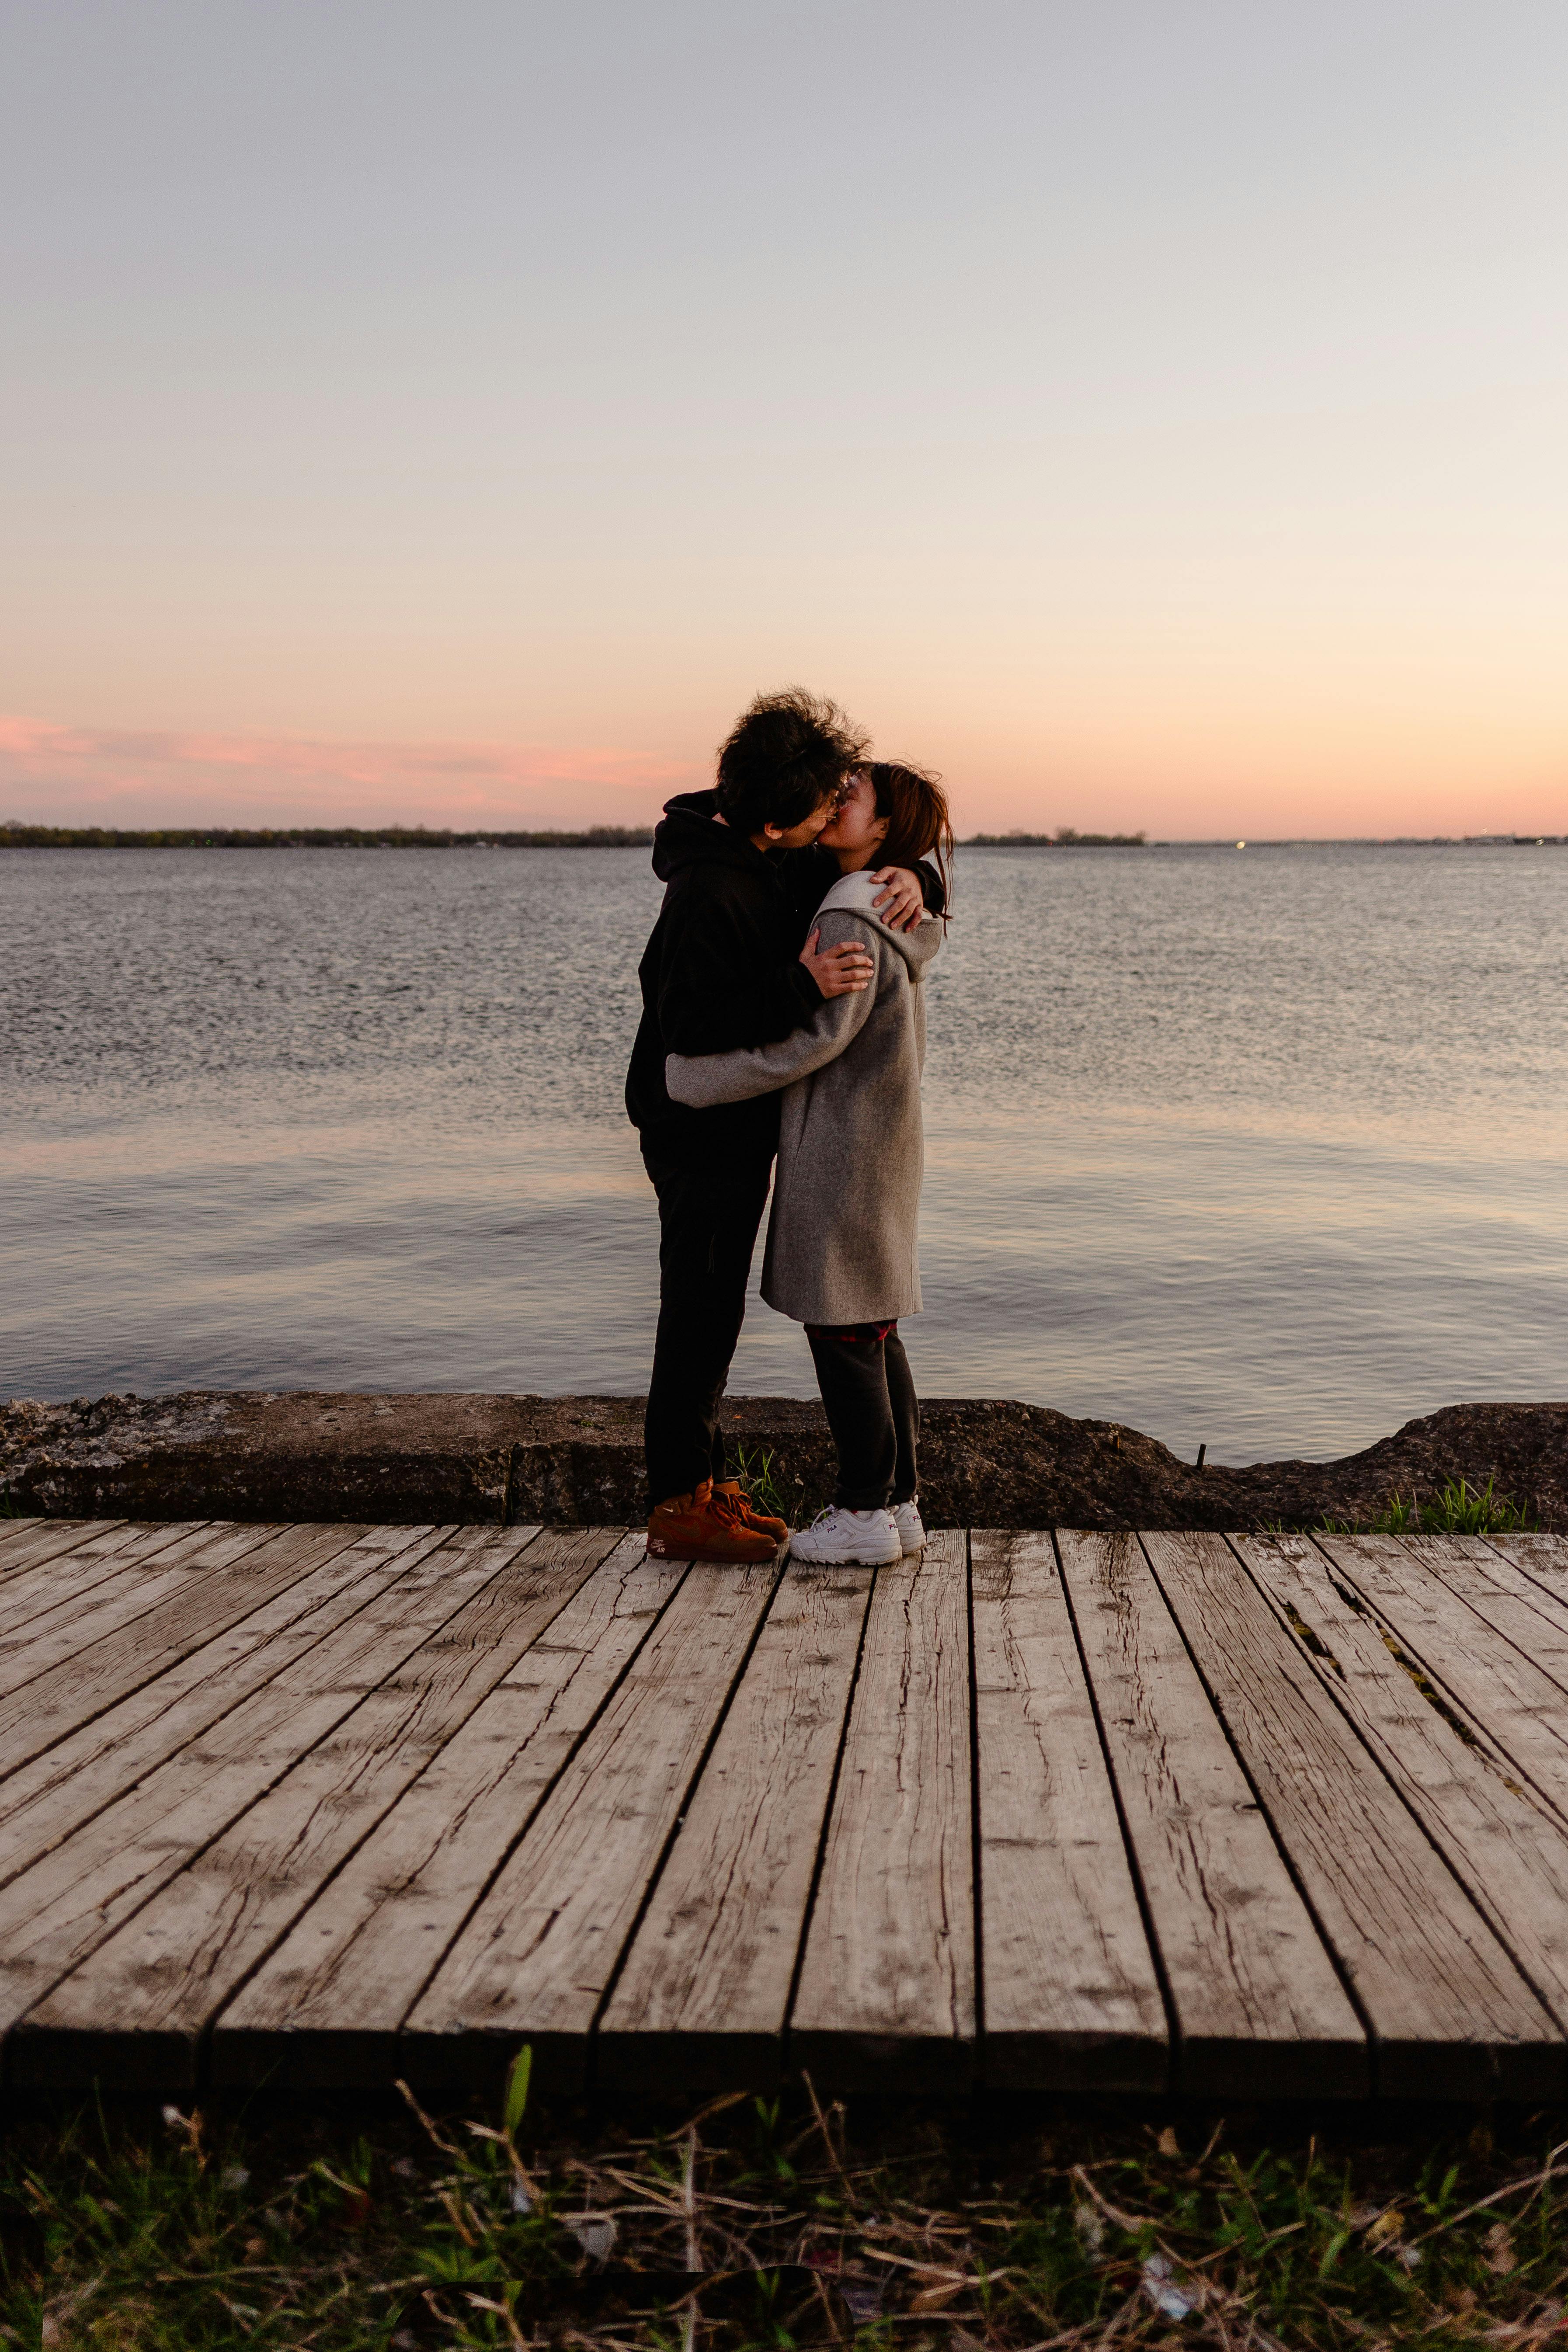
point(703, 1526)
point(730, 1491)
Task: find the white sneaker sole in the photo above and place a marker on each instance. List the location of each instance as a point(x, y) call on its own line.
point(865, 1554)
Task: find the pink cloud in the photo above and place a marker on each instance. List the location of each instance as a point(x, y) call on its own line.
point(63, 776)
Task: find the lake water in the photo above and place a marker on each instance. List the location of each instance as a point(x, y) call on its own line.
point(1261, 1148)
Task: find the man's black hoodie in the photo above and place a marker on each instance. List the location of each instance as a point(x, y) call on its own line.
point(721, 970)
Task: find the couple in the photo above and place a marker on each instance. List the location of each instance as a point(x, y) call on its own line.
point(783, 1012)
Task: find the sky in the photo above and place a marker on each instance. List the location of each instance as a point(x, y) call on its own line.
point(1151, 413)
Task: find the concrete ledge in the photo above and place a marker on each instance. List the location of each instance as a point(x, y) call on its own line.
point(406, 1460)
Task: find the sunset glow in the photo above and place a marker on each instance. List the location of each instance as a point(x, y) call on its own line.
point(1151, 418)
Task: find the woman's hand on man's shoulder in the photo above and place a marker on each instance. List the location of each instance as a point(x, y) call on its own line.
point(842, 970)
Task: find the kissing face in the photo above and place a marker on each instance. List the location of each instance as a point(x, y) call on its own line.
point(800, 836)
point(855, 824)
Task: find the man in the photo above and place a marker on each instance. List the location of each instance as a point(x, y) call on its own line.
point(729, 964)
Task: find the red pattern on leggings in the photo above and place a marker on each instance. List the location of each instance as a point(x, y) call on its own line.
point(855, 1333)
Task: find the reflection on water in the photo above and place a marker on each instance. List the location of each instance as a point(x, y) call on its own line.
point(1256, 1150)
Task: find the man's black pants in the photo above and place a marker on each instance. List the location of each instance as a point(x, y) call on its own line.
point(869, 1395)
point(708, 1220)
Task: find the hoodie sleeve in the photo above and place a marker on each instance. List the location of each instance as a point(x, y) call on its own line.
point(931, 890)
point(706, 1007)
point(701, 1081)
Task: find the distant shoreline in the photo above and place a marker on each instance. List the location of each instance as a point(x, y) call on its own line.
point(339, 837)
point(627, 836)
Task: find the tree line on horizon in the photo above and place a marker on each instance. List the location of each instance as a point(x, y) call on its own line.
point(1066, 836)
point(15, 834)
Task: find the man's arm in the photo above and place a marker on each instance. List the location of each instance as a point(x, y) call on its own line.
point(908, 892)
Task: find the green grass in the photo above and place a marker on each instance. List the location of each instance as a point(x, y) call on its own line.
point(798, 2226)
point(1460, 1509)
point(756, 1467)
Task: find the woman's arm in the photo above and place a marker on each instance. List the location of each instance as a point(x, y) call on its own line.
point(703, 1080)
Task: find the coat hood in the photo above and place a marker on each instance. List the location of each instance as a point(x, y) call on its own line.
point(687, 836)
point(854, 892)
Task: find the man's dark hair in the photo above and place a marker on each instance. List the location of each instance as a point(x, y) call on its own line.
point(783, 757)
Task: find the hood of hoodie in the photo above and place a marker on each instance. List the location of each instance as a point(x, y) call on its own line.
point(686, 835)
point(855, 893)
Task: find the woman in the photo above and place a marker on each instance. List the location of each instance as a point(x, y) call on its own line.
point(841, 1251)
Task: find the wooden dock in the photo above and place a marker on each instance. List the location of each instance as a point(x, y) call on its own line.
point(326, 1805)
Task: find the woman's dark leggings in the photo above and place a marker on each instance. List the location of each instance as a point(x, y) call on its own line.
point(872, 1411)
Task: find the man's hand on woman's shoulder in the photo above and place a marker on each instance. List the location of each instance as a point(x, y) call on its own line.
point(902, 902)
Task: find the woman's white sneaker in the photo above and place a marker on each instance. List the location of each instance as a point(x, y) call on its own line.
point(911, 1527)
point(842, 1538)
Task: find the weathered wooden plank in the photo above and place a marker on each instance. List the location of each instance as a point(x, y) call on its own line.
point(1259, 2010)
point(55, 1592)
point(216, 1582)
point(159, 1567)
point(702, 2000)
point(1452, 2016)
point(32, 1592)
point(322, 1575)
point(1515, 1604)
point(327, 2007)
point(1072, 1997)
point(1515, 1705)
point(159, 1979)
point(1506, 1845)
point(1543, 1557)
point(30, 1543)
point(533, 1962)
point(72, 1899)
point(887, 1986)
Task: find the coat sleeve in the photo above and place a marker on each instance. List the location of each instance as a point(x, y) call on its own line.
point(703, 1080)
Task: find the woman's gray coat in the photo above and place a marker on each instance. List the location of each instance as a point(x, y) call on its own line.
point(842, 1238)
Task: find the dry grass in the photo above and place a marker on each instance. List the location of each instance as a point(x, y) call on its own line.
point(756, 2224)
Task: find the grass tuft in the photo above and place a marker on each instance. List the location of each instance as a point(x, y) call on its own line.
point(757, 1469)
point(1460, 1509)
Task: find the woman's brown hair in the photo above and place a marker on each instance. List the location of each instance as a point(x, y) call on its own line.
point(913, 801)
